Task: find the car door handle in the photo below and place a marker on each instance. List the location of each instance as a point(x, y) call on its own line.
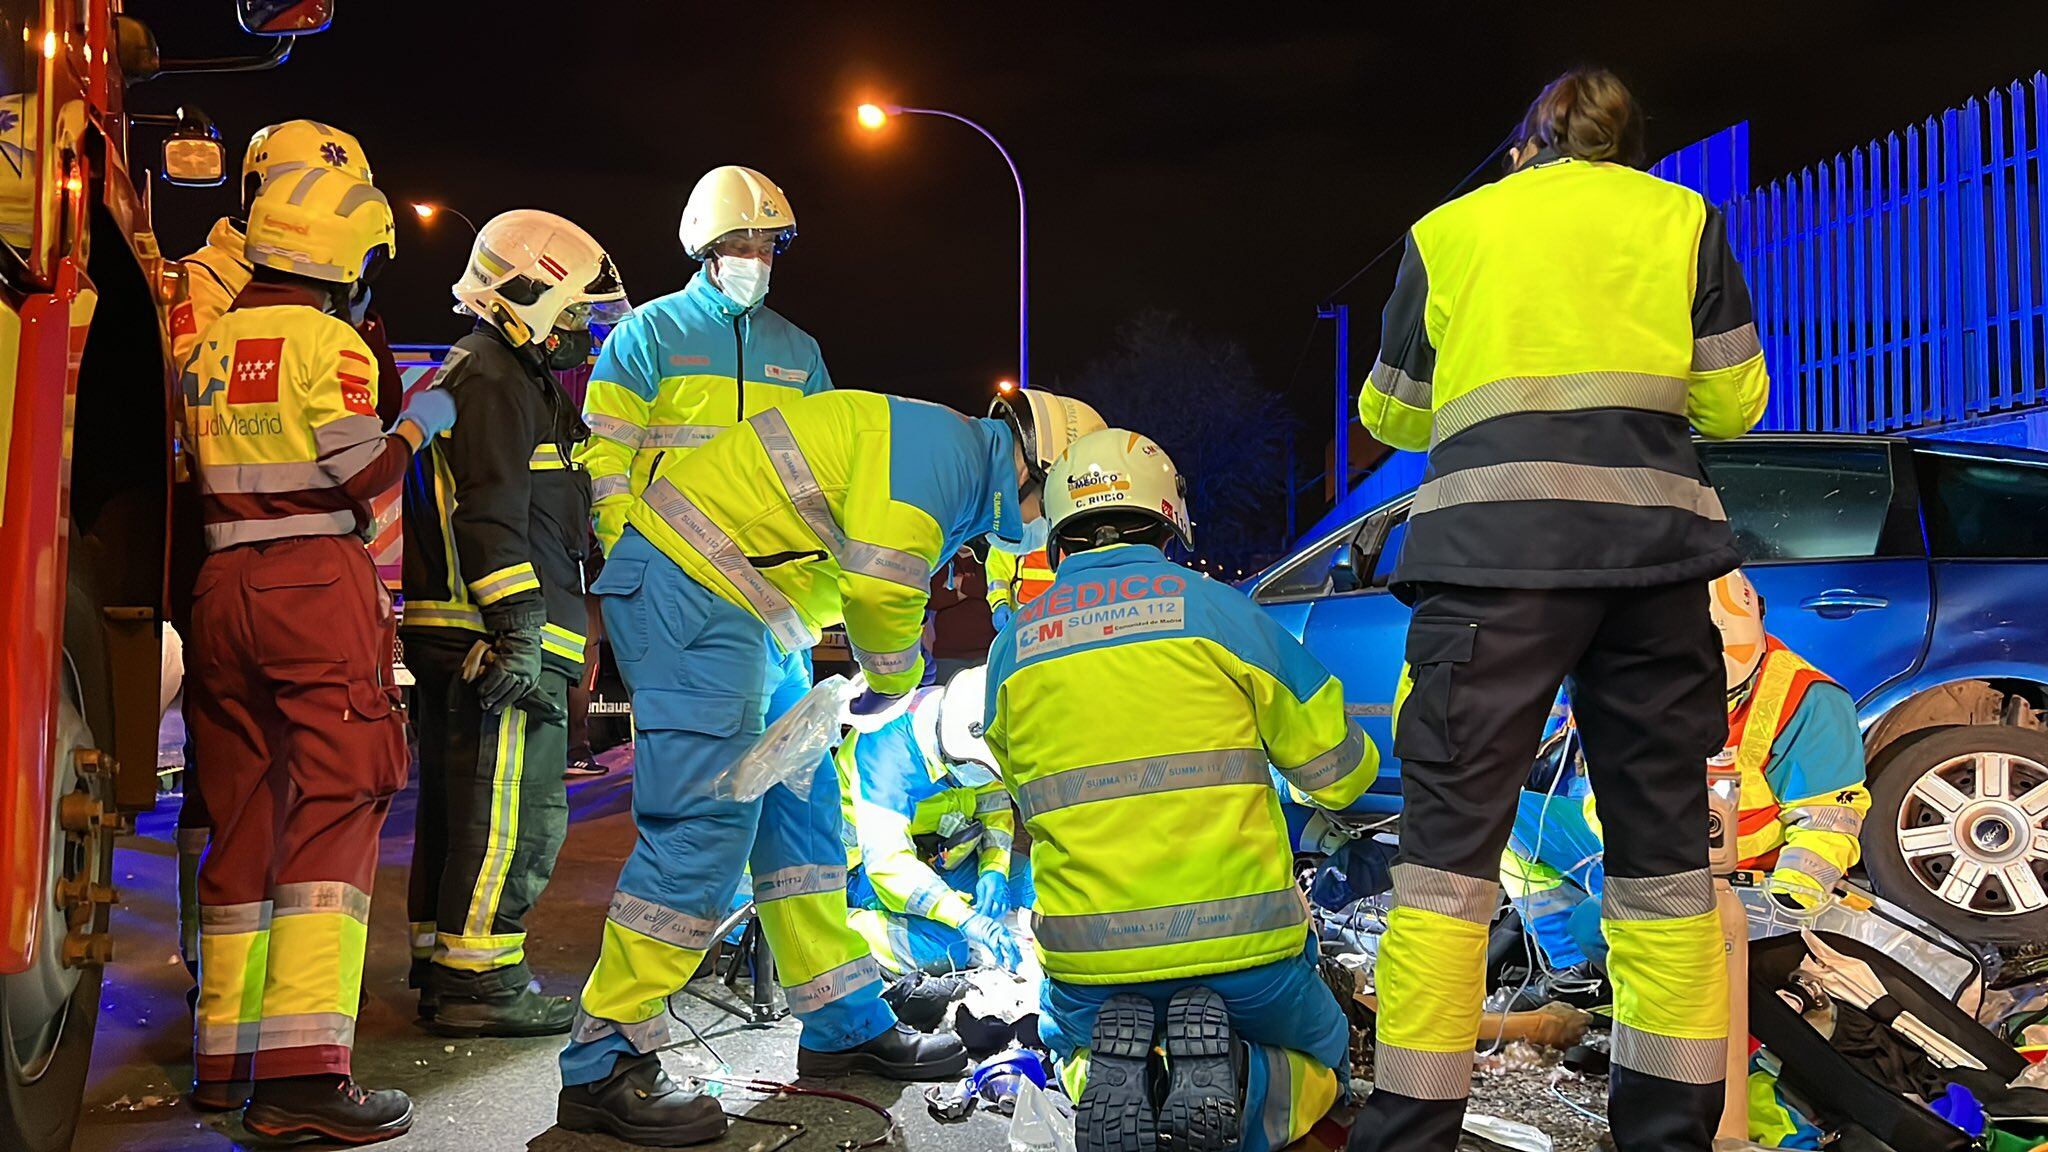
point(1842, 603)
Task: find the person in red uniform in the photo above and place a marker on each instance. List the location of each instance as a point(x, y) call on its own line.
point(291, 642)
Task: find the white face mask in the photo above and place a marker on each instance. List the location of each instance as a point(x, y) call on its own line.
point(743, 279)
point(1036, 533)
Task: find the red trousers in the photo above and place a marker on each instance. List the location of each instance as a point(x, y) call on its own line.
point(302, 743)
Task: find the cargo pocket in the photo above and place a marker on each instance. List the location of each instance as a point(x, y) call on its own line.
point(292, 610)
point(684, 741)
point(625, 611)
point(1422, 723)
point(375, 708)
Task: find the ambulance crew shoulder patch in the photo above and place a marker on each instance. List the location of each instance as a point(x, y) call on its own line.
point(252, 378)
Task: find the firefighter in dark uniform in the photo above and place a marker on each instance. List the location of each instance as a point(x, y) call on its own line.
point(496, 528)
point(1552, 340)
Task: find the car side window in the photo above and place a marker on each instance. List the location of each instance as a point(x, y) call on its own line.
point(1309, 574)
point(1390, 551)
point(1983, 509)
point(1803, 501)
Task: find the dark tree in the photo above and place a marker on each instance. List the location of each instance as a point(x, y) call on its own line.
point(1198, 396)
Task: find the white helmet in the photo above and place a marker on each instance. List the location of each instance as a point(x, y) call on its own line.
point(949, 722)
point(1739, 613)
point(1117, 471)
point(531, 272)
point(1045, 424)
point(730, 198)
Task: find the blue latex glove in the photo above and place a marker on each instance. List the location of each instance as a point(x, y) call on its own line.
point(430, 413)
point(996, 939)
point(871, 711)
point(1000, 616)
point(992, 895)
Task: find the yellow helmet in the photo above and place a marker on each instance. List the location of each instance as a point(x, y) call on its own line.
point(1046, 425)
point(730, 198)
point(296, 144)
point(1739, 613)
point(321, 224)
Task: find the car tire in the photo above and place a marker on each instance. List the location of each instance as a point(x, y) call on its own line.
point(1951, 843)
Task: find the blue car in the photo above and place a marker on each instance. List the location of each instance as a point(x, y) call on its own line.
point(1913, 571)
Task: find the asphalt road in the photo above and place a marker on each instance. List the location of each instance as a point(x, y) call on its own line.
point(478, 1096)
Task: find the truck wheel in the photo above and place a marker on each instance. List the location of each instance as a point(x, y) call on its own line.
point(1958, 831)
point(47, 1013)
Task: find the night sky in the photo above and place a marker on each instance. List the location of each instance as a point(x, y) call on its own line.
point(1232, 171)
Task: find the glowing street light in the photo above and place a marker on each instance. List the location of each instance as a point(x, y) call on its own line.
point(1005, 387)
point(874, 116)
point(427, 210)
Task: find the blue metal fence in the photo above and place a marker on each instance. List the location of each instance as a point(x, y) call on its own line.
point(1899, 286)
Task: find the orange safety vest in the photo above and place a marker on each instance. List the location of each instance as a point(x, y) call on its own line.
point(1781, 683)
point(1020, 579)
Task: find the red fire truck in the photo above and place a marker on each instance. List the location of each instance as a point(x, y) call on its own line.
point(88, 428)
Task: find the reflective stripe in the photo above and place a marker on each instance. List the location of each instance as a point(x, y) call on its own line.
point(504, 582)
point(481, 954)
point(1421, 1075)
point(887, 663)
point(1331, 766)
point(606, 487)
point(989, 802)
point(342, 466)
point(562, 642)
point(996, 840)
point(851, 976)
point(699, 532)
point(1143, 777)
point(1679, 1058)
point(502, 744)
point(1450, 894)
point(925, 898)
point(1571, 392)
point(358, 195)
point(1658, 897)
point(295, 476)
point(679, 435)
point(1555, 480)
point(304, 187)
point(801, 485)
point(307, 1030)
point(1405, 389)
point(664, 924)
point(801, 880)
point(440, 614)
point(1726, 349)
point(616, 430)
point(1174, 924)
point(346, 432)
point(648, 1035)
point(233, 532)
point(320, 896)
point(234, 919)
point(422, 937)
point(1825, 818)
point(1279, 1096)
point(547, 458)
point(1823, 871)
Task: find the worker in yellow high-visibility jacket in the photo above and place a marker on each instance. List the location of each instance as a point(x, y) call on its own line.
point(1014, 581)
point(835, 508)
point(1137, 710)
point(1553, 339)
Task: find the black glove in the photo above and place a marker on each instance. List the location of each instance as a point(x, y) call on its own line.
point(511, 674)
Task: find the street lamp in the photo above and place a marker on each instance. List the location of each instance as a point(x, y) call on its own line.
point(873, 116)
point(427, 211)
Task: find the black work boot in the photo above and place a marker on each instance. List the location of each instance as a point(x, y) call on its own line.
point(527, 1012)
point(639, 1104)
point(901, 1053)
point(921, 1001)
point(1115, 1112)
point(335, 1108)
point(220, 1095)
point(1203, 1110)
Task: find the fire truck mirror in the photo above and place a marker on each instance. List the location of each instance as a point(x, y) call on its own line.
point(193, 161)
point(284, 17)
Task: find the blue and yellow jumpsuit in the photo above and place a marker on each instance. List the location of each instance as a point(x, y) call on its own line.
point(835, 508)
point(683, 368)
point(1136, 708)
point(918, 841)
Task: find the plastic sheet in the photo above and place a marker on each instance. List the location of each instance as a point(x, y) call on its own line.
point(1510, 1134)
point(1931, 954)
point(1039, 1125)
point(791, 751)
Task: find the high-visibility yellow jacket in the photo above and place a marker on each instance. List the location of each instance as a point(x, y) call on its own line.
point(1549, 338)
point(280, 404)
point(836, 508)
point(683, 368)
point(1135, 708)
point(1800, 752)
point(1014, 581)
point(896, 792)
point(214, 276)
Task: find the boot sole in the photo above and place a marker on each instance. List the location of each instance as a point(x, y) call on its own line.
point(827, 1064)
point(583, 1118)
point(1114, 1113)
point(457, 1030)
point(287, 1131)
point(216, 1098)
point(1203, 1110)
